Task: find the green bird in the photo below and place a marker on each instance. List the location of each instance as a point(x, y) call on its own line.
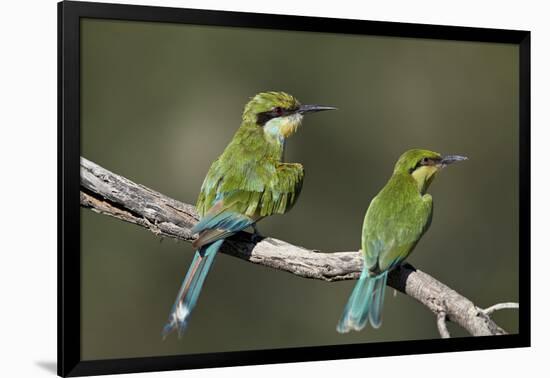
point(394, 223)
point(248, 182)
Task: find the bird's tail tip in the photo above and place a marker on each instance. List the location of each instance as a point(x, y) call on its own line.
point(345, 325)
point(348, 323)
point(177, 321)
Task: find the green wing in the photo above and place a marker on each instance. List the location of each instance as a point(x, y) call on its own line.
point(283, 189)
point(254, 188)
point(395, 221)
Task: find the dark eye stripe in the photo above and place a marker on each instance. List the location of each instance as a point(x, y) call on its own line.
point(264, 117)
point(427, 161)
point(424, 162)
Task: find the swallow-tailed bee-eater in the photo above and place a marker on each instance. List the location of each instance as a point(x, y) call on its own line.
point(394, 223)
point(248, 182)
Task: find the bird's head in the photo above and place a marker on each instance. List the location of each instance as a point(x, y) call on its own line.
point(278, 113)
point(423, 165)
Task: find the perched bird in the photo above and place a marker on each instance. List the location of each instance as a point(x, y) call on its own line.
point(394, 223)
point(248, 182)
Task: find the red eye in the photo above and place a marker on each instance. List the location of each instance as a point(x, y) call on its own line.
point(278, 110)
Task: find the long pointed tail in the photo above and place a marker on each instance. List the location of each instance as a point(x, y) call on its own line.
point(365, 303)
point(191, 288)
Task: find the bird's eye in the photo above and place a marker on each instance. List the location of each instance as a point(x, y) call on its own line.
point(424, 161)
point(278, 110)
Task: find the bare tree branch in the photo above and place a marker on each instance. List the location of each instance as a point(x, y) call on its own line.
point(442, 325)
point(107, 193)
point(500, 306)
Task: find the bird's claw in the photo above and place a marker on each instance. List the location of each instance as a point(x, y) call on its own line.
point(256, 236)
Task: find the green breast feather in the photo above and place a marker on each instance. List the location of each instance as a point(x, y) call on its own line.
point(396, 219)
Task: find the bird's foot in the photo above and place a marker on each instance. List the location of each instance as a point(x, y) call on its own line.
point(408, 266)
point(256, 236)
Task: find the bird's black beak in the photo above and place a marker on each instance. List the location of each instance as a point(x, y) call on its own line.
point(450, 159)
point(314, 108)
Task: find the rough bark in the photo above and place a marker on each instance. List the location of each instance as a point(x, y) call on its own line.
point(107, 193)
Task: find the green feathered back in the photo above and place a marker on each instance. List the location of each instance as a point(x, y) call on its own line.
point(399, 215)
point(395, 221)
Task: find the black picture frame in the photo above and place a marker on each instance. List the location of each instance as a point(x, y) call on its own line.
point(69, 15)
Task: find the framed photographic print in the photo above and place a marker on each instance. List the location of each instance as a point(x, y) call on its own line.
point(239, 188)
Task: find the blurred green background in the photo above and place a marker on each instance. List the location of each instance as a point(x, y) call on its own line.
point(160, 102)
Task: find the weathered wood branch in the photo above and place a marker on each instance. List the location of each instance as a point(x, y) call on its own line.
point(442, 325)
point(500, 306)
point(107, 193)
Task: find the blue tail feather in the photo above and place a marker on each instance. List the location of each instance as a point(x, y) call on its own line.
point(375, 313)
point(365, 303)
point(191, 288)
point(217, 224)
